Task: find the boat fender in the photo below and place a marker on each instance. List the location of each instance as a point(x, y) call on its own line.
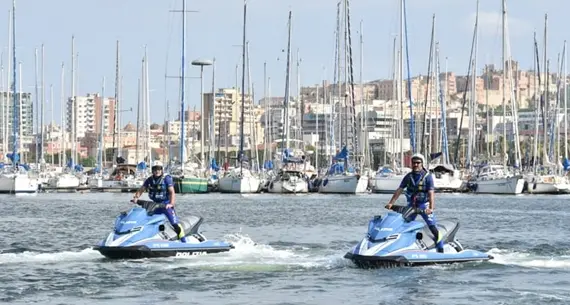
point(534, 186)
point(325, 182)
point(271, 185)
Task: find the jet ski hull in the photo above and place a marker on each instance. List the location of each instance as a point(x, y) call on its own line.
point(416, 258)
point(139, 252)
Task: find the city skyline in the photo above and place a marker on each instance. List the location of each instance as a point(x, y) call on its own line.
point(137, 23)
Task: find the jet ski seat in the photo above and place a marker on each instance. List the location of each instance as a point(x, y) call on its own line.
point(191, 224)
point(447, 229)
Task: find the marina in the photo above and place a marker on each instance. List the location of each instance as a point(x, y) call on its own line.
point(284, 152)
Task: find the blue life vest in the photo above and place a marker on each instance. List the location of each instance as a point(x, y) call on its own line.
point(417, 193)
point(158, 190)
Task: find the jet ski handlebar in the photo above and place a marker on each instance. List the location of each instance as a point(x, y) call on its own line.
point(150, 206)
point(406, 210)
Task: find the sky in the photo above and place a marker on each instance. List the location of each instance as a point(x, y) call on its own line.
point(215, 31)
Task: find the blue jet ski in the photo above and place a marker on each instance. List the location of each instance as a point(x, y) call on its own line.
point(394, 241)
point(139, 233)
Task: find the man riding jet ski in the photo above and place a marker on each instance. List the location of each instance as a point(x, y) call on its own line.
point(153, 229)
point(420, 190)
point(397, 240)
point(400, 240)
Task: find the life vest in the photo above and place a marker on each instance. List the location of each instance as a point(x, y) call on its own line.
point(417, 193)
point(158, 190)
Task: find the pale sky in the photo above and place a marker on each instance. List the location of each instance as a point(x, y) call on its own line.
point(216, 29)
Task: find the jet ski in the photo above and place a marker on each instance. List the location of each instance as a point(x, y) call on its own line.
point(394, 241)
point(139, 233)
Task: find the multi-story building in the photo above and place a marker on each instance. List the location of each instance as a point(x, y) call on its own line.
point(227, 114)
point(24, 105)
point(88, 113)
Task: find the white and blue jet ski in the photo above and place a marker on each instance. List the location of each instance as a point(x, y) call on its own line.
point(393, 241)
point(139, 233)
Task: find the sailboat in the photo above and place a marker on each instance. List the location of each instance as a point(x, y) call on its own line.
point(497, 178)
point(16, 178)
point(185, 181)
point(343, 177)
point(241, 179)
point(389, 176)
point(290, 178)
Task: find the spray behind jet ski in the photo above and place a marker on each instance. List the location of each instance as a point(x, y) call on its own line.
point(394, 240)
point(139, 233)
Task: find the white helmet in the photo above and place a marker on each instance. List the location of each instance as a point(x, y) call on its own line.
point(419, 156)
point(157, 163)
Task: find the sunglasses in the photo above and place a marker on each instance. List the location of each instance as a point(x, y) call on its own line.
point(417, 162)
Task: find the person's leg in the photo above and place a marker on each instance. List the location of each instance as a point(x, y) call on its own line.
point(171, 215)
point(431, 222)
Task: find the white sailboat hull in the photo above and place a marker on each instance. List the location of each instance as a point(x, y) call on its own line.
point(64, 181)
point(288, 187)
point(511, 185)
point(446, 182)
point(341, 184)
point(233, 184)
point(18, 183)
point(547, 185)
point(386, 183)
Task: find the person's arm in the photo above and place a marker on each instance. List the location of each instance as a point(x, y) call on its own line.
point(140, 191)
point(431, 192)
point(431, 198)
point(398, 192)
point(170, 188)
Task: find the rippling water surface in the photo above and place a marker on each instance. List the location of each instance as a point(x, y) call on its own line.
point(289, 250)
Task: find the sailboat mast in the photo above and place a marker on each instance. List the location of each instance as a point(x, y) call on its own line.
point(565, 90)
point(182, 86)
point(37, 98)
point(5, 125)
point(401, 81)
point(545, 96)
point(51, 97)
point(101, 127)
point(266, 113)
point(138, 121)
point(72, 125)
point(287, 89)
point(63, 117)
point(117, 127)
point(42, 102)
point(212, 106)
point(503, 57)
point(243, 63)
point(15, 121)
point(147, 106)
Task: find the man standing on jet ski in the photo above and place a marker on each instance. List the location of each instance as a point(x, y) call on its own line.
point(420, 191)
point(161, 190)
